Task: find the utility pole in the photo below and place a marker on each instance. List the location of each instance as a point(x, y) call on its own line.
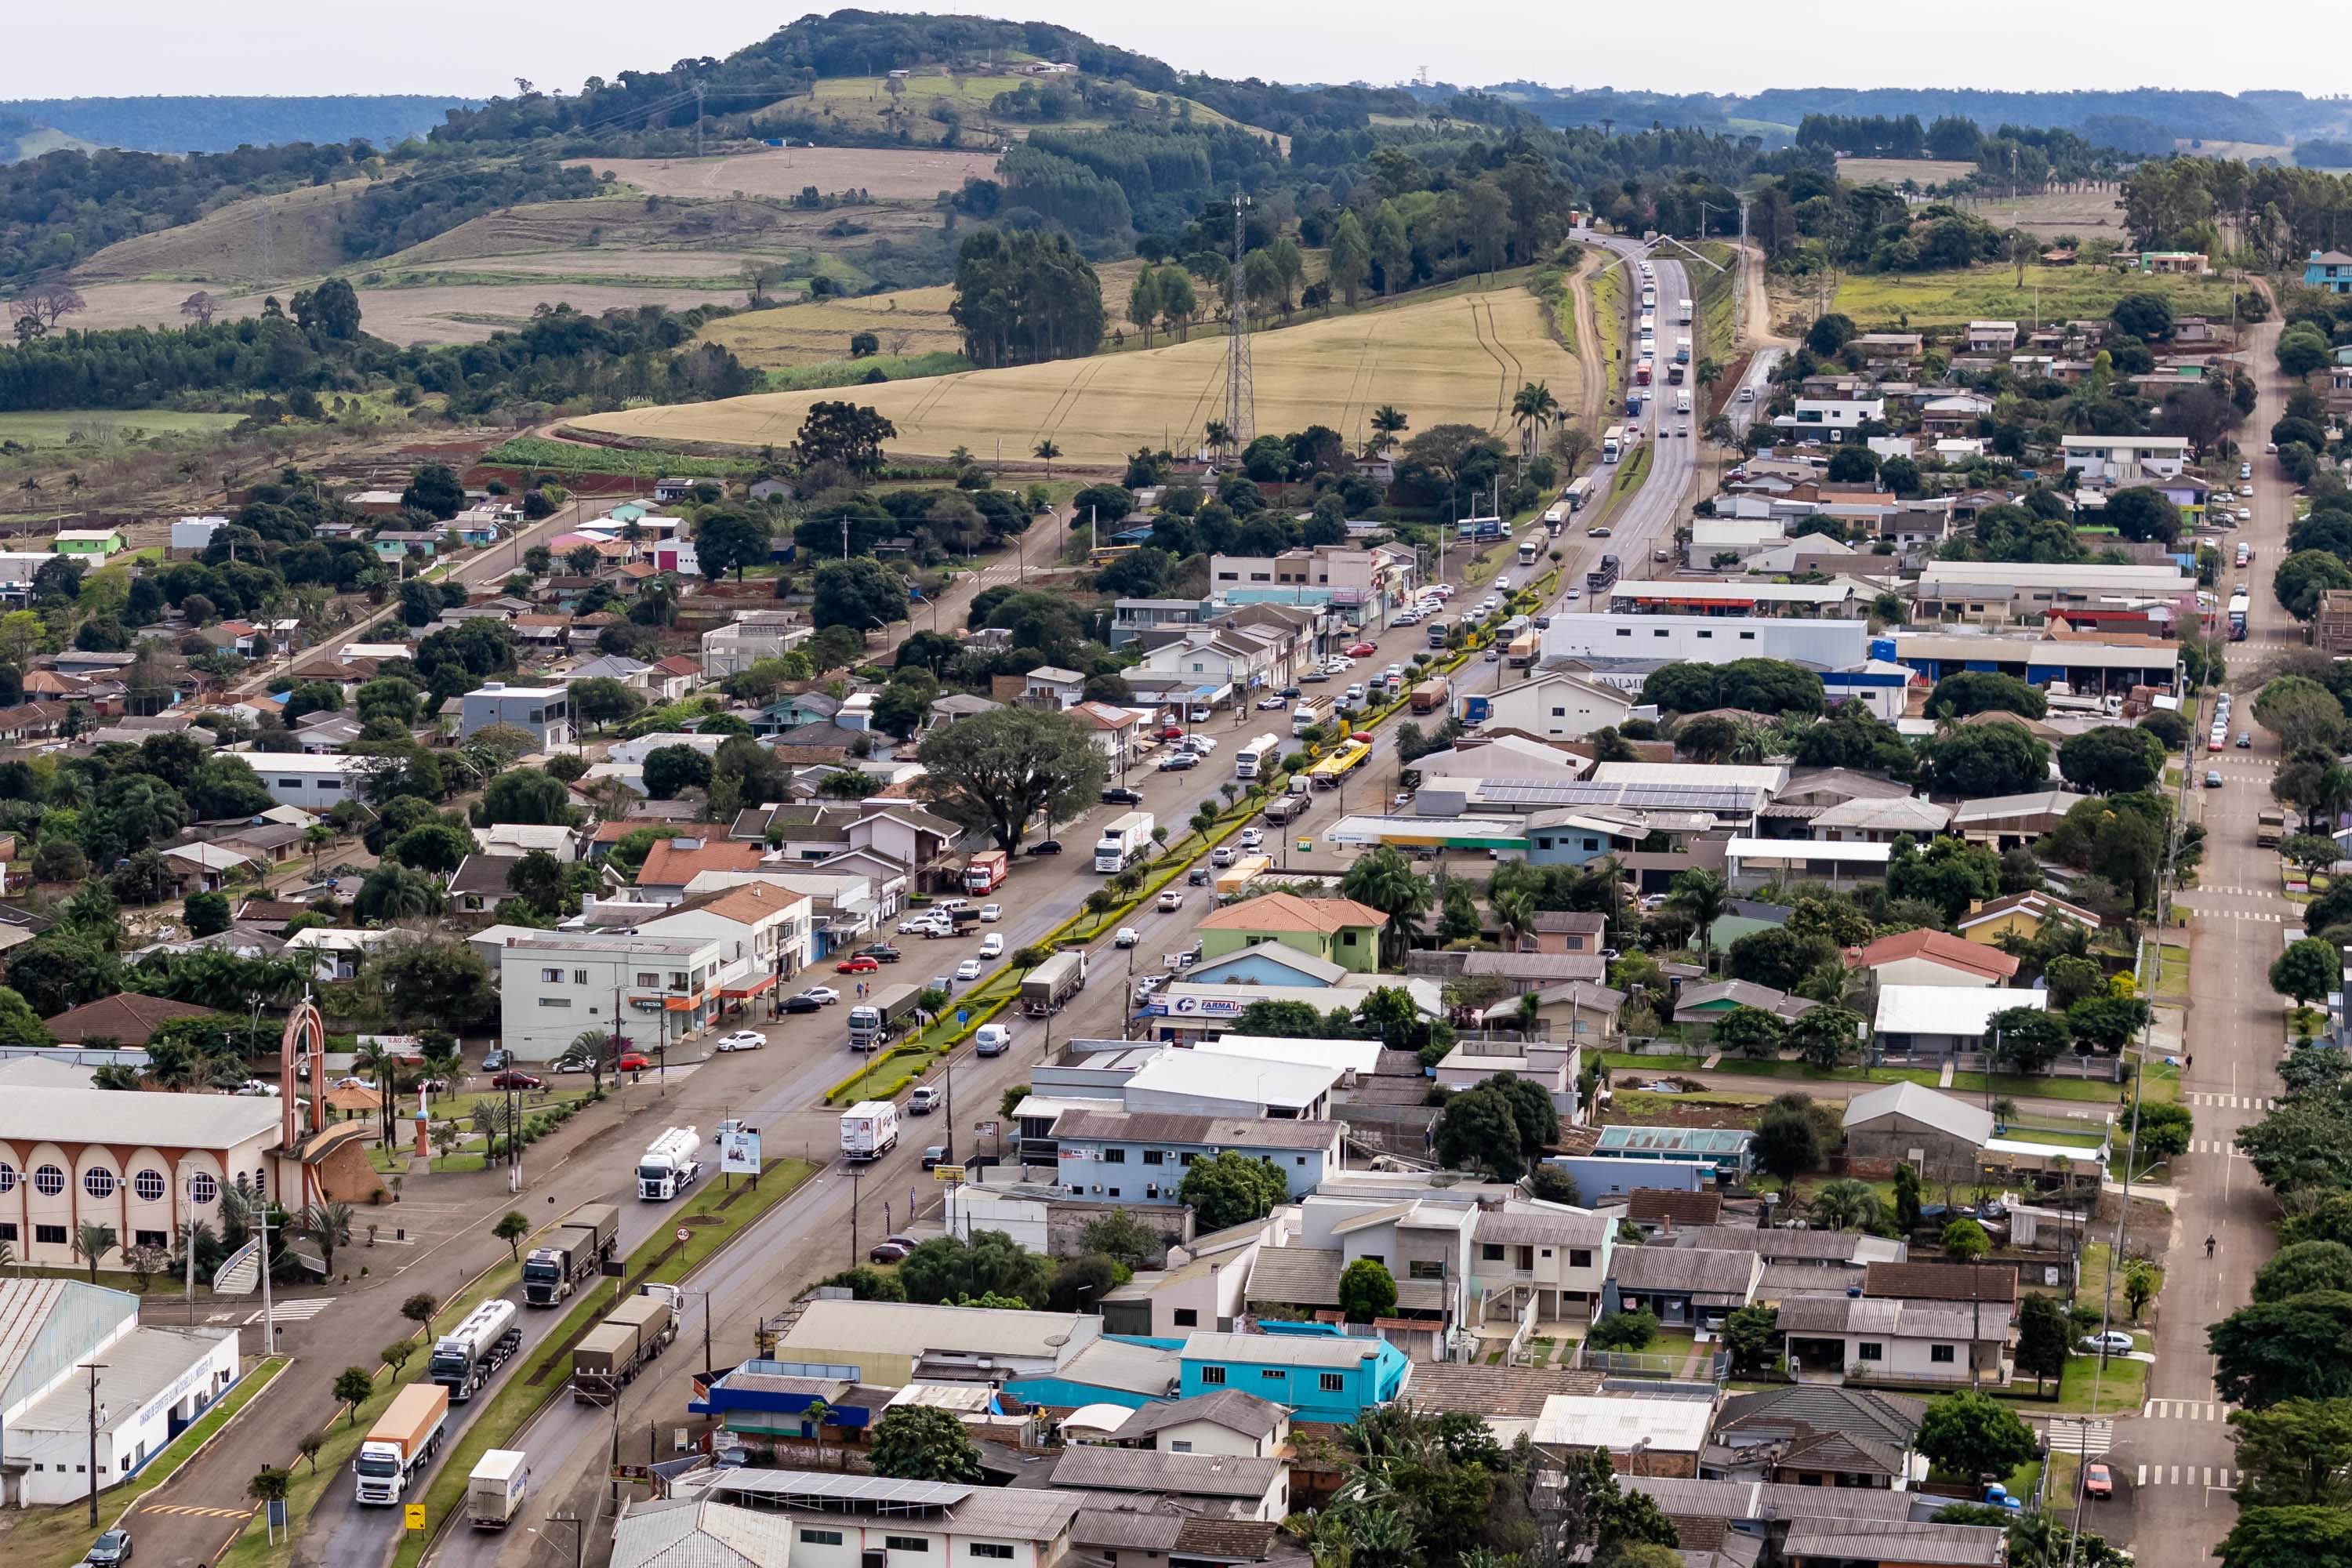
point(93, 1368)
point(1241, 416)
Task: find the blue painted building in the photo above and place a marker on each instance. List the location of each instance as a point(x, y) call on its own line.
point(1319, 1371)
point(1127, 1370)
point(2328, 269)
point(1729, 1150)
point(772, 1399)
point(1598, 1176)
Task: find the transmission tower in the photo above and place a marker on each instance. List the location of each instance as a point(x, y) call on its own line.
point(1240, 400)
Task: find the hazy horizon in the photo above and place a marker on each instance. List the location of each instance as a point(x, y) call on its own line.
point(145, 48)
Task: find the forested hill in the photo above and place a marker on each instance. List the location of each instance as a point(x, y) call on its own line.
point(224, 124)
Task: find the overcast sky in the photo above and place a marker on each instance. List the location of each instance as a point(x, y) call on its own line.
point(470, 48)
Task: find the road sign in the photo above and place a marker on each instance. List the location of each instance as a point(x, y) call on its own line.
point(947, 1172)
point(963, 1017)
point(412, 1516)
point(985, 1129)
point(683, 1235)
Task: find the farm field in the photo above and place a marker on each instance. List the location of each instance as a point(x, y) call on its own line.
point(1983, 293)
point(1894, 171)
point(886, 174)
point(262, 239)
point(453, 313)
point(2085, 214)
point(58, 426)
point(1455, 358)
point(864, 103)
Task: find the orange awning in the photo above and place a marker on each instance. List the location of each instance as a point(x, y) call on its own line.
point(736, 993)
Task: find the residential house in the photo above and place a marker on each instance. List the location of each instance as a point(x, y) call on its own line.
point(1681, 1286)
point(1232, 1486)
point(741, 1517)
point(207, 867)
point(1337, 931)
point(125, 1018)
point(2020, 914)
point(1663, 1434)
point(1728, 1152)
point(543, 712)
point(1581, 1013)
point(2008, 821)
point(1325, 1376)
point(1939, 1020)
point(1141, 1158)
point(1813, 1541)
point(554, 985)
point(318, 783)
point(1914, 1323)
point(90, 546)
point(764, 930)
point(1990, 337)
point(2125, 460)
point(524, 838)
point(481, 882)
point(1116, 731)
point(1880, 821)
point(1558, 704)
point(1663, 1211)
point(1706, 1004)
point(1930, 957)
point(1233, 1422)
point(1570, 930)
point(674, 862)
point(751, 637)
point(1558, 1255)
point(2328, 269)
point(1817, 1435)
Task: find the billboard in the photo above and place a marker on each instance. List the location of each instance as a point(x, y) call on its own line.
point(739, 1154)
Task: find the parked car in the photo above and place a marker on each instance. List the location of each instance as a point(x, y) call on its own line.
point(880, 952)
point(1317, 675)
point(1171, 899)
point(1273, 704)
point(1291, 691)
point(1177, 762)
point(633, 1061)
point(1119, 794)
point(742, 1041)
point(2114, 1342)
point(492, 1060)
point(110, 1549)
point(513, 1078)
point(859, 964)
point(1361, 650)
point(1200, 746)
point(923, 1102)
point(803, 1005)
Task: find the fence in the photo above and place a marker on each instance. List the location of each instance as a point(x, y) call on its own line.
point(1714, 1366)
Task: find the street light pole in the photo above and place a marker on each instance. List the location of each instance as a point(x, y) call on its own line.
point(93, 1368)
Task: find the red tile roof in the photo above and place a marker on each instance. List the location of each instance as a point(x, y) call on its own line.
point(1937, 947)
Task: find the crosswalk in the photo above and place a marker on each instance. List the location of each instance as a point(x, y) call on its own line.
point(193, 1510)
point(2214, 1146)
point(2187, 1476)
point(2185, 1410)
point(293, 1311)
point(2241, 892)
point(2230, 1101)
point(2253, 917)
point(2088, 1438)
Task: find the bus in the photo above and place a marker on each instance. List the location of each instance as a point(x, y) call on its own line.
point(1258, 757)
point(1613, 443)
point(1350, 754)
point(1521, 651)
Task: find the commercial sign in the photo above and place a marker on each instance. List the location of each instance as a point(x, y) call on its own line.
point(739, 1153)
point(1210, 1007)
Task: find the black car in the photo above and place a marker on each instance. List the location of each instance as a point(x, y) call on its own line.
point(1119, 794)
point(803, 1005)
point(1046, 847)
point(1198, 877)
point(1292, 692)
point(880, 951)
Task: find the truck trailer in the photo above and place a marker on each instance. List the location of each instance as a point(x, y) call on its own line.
point(1044, 988)
point(609, 1356)
point(574, 1251)
point(1126, 840)
point(464, 1357)
point(873, 1022)
point(984, 872)
point(869, 1129)
point(495, 1490)
point(671, 1163)
point(397, 1446)
point(1430, 695)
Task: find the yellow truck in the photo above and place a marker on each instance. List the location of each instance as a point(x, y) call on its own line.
point(1234, 877)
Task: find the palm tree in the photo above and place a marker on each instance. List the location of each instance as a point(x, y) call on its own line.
point(1388, 423)
point(443, 1062)
point(591, 1051)
point(381, 1065)
point(1532, 408)
point(1702, 895)
point(1847, 1205)
point(1218, 436)
point(816, 1414)
point(329, 1225)
point(2004, 1111)
point(1516, 910)
point(1386, 881)
point(94, 1241)
point(316, 837)
point(1047, 450)
point(1530, 1014)
point(115, 1075)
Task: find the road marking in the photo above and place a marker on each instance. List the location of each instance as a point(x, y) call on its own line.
point(2184, 1410)
point(2215, 1146)
point(294, 1311)
point(2232, 1101)
point(2070, 1434)
point(191, 1509)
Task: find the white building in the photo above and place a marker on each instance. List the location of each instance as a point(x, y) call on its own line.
point(192, 534)
point(763, 930)
point(154, 1383)
point(315, 781)
point(2125, 460)
point(1709, 639)
point(556, 986)
point(544, 712)
point(1559, 706)
point(750, 638)
point(794, 1518)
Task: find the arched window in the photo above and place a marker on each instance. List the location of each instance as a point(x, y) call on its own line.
point(48, 1181)
point(97, 1182)
point(149, 1185)
point(7, 1177)
point(203, 1191)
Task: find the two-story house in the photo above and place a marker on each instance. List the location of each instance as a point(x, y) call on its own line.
point(2328, 269)
point(1337, 931)
point(543, 712)
point(1562, 1255)
point(1142, 1157)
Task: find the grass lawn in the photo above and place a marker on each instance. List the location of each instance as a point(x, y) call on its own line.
point(1626, 1061)
point(1993, 292)
point(2122, 1387)
point(1712, 300)
point(1607, 291)
point(2094, 1091)
point(60, 1535)
point(1638, 1106)
point(58, 426)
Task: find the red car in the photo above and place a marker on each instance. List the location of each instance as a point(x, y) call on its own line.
point(1172, 732)
point(857, 967)
point(1361, 650)
point(514, 1080)
point(2099, 1481)
point(633, 1061)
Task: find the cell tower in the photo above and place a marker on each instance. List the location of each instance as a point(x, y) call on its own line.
point(1240, 400)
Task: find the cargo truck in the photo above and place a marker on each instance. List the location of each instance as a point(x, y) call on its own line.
point(1602, 577)
point(671, 1163)
point(1240, 874)
point(1284, 807)
point(494, 1492)
point(984, 872)
point(1044, 988)
point(1474, 707)
point(397, 1446)
point(572, 1252)
point(1431, 694)
point(609, 1356)
point(869, 1129)
point(873, 1021)
point(1126, 840)
point(2270, 828)
point(1310, 713)
point(464, 1357)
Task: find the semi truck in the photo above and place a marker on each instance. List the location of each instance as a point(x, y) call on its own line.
point(1240, 874)
point(1473, 707)
point(1044, 988)
point(1603, 577)
point(575, 1250)
point(495, 1490)
point(984, 872)
point(397, 1446)
point(2270, 828)
point(869, 1129)
point(671, 1163)
point(464, 1357)
point(881, 1015)
point(1126, 840)
point(610, 1354)
point(1529, 547)
point(1284, 807)
point(1431, 694)
point(1310, 713)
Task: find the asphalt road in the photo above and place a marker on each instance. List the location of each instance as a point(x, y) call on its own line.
point(2174, 1464)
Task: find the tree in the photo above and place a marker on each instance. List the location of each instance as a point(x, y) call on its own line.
point(2293, 1454)
point(1120, 1236)
point(1787, 1141)
point(600, 700)
point(923, 1443)
point(2301, 712)
point(353, 1386)
point(1351, 257)
point(1703, 896)
point(527, 796)
point(1385, 880)
point(444, 983)
point(390, 894)
point(1847, 1205)
point(1906, 1198)
point(671, 769)
point(844, 433)
point(206, 913)
point(1974, 1434)
point(2270, 1352)
point(440, 846)
point(1232, 1188)
point(2304, 577)
point(1023, 296)
point(1480, 1128)
point(91, 1242)
point(2043, 1337)
point(2142, 1280)
point(1753, 1336)
point(1950, 873)
point(2307, 971)
point(1366, 1292)
point(269, 1484)
point(1624, 1331)
point(434, 490)
point(1984, 760)
point(2303, 1268)
point(997, 770)
point(2303, 1537)
point(1751, 1031)
point(1826, 1037)
point(419, 1308)
point(2140, 512)
point(511, 1228)
point(731, 539)
point(2113, 758)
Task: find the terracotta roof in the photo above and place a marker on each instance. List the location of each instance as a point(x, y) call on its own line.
point(128, 1017)
point(558, 621)
point(619, 827)
point(749, 903)
point(1938, 947)
point(1680, 1207)
point(679, 664)
point(668, 865)
point(1288, 911)
point(1942, 1281)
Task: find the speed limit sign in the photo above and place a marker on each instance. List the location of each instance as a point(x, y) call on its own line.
point(684, 1236)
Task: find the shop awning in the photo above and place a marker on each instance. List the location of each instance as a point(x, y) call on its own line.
point(738, 993)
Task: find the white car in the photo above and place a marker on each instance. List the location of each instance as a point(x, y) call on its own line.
point(2114, 1342)
point(2247, 491)
point(1272, 704)
point(743, 1040)
point(1128, 937)
point(1173, 898)
point(993, 945)
point(968, 970)
point(1199, 745)
point(1407, 619)
point(823, 995)
point(1442, 590)
point(1502, 584)
point(990, 913)
point(1572, 593)
point(257, 1086)
point(914, 924)
point(1251, 839)
point(2245, 470)
point(1355, 694)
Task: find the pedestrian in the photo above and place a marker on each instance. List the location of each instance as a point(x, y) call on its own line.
point(2191, 1060)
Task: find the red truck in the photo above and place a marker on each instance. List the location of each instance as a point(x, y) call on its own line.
point(984, 873)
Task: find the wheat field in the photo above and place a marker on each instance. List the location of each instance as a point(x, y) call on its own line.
point(1454, 359)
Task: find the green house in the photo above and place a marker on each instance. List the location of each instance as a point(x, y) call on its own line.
point(93, 544)
point(1340, 931)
